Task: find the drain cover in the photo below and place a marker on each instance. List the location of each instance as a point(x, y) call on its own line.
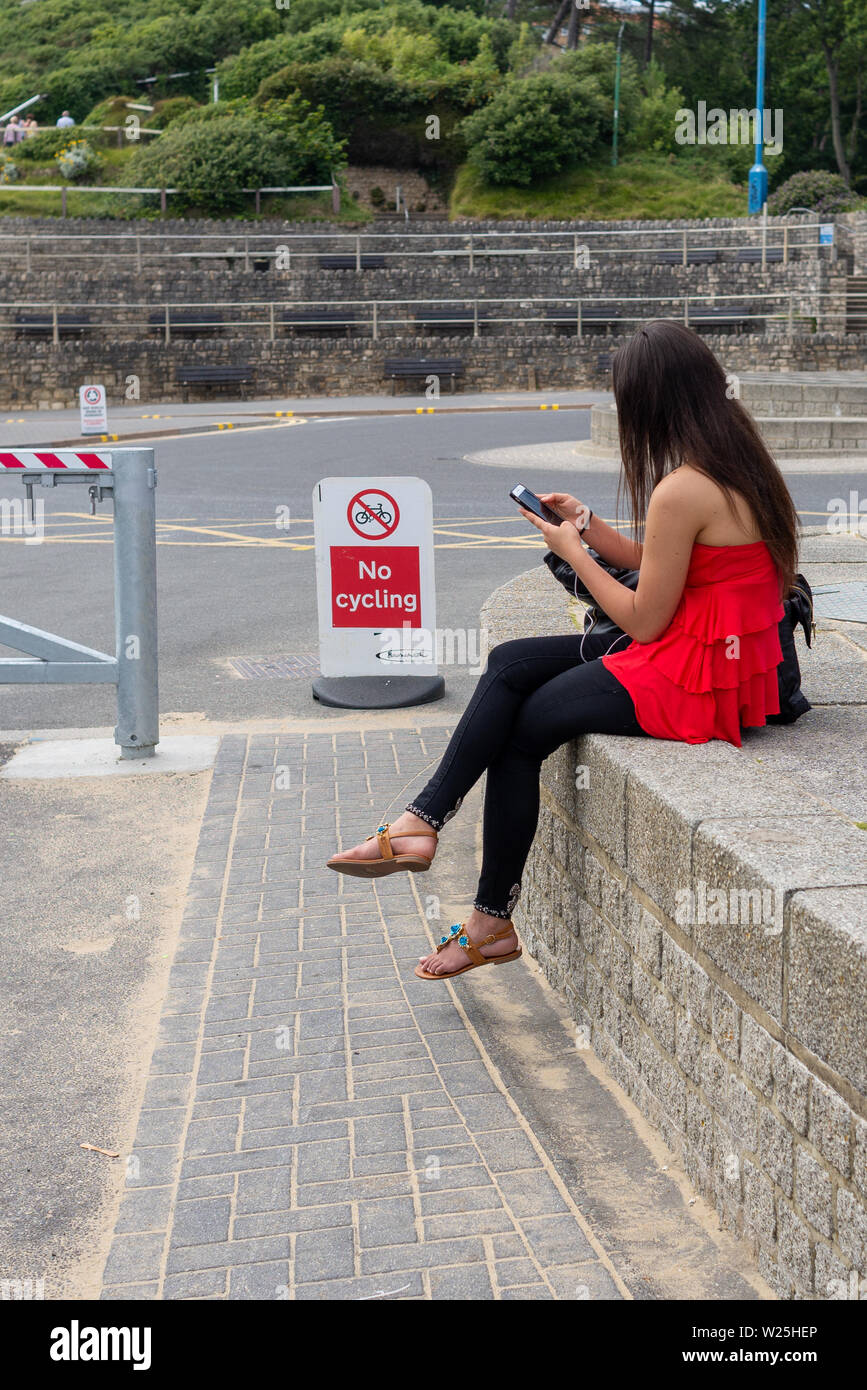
point(281, 668)
point(845, 602)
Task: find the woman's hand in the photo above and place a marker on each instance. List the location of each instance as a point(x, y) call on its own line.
point(563, 540)
point(566, 506)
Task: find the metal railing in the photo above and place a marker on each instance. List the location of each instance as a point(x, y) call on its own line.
point(129, 477)
point(375, 317)
point(69, 132)
point(65, 189)
point(763, 240)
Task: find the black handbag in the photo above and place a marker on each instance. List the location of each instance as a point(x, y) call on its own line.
point(602, 635)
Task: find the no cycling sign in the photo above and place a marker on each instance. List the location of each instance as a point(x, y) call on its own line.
point(375, 591)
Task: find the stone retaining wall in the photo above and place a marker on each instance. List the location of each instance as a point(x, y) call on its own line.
point(39, 375)
point(743, 1041)
point(794, 414)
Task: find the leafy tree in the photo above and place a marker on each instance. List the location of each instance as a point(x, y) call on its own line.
point(654, 122)
point(536, 126)
point(213, 154)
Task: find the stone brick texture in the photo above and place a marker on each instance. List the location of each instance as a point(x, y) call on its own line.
point(768, 1131)
point(119, 298)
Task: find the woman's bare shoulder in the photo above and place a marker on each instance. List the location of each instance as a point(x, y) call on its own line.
point(685, 482)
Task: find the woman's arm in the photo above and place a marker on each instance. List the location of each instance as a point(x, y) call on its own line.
point(615, 548)
point(674, 519)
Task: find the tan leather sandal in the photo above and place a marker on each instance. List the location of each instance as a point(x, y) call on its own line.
point(457, 935)
point(389, 863)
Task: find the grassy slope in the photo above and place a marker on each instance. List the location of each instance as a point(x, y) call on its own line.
point(640, 187)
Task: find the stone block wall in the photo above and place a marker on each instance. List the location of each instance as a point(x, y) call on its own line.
point(708, 934)
point(38, 375)
point(120, 343)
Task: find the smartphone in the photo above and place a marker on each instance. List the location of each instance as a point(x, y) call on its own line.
point(525, 498)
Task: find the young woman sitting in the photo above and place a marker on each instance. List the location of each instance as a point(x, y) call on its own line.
point(719, 552)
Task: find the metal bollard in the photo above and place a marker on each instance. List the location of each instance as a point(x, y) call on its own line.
point(135, 586)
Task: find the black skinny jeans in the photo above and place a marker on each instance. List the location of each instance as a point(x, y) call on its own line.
point(535, 694)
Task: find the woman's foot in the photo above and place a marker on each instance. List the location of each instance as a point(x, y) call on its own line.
point(477, 926)
point(403, 841)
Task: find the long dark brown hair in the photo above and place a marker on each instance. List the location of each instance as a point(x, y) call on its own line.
point(675, 405)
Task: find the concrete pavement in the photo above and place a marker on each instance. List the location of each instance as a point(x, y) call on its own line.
point(143, 420)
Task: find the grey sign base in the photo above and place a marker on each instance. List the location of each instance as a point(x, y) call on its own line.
point(377, 692)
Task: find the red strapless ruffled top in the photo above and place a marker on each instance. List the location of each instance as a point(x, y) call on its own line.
point(713, 672)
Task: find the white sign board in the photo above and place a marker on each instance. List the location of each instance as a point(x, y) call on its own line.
point(826, 233)
point(375, 577)
point(92, 405)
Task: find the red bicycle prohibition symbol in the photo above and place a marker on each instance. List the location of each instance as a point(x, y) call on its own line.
point(372, 514)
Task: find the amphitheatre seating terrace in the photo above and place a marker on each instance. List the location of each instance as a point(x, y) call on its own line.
point(296, 322)
point(402, 367)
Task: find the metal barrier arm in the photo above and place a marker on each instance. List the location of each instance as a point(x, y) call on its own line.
point(130, 477)
point(52, 660)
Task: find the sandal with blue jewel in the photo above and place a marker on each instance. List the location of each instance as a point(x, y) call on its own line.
point(457, 936)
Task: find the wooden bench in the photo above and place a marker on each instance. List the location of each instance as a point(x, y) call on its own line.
point(753, 254)
point(569, 317)
point(737, 314)
point(438, 317)
point(432, 366)
point(44, 323)
point(235, 374)
point(692, 258)
point(368, 262)
point(189, 321)
point(313, 319)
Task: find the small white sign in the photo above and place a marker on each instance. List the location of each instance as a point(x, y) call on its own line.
point(92, 405)
point(826, 233)
point(375, 577)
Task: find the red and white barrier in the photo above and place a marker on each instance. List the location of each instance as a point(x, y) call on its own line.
point(65, 461)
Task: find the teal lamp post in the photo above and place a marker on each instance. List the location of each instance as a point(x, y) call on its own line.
point(758, 185)
point(617, 94)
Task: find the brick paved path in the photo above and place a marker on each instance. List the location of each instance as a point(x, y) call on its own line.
point(318, 1123)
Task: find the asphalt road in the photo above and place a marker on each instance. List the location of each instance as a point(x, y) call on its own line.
point(232, 584)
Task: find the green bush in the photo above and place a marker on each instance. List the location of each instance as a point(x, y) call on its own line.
point(169, 110)
point(818, 189)
point(536, 126)
point(8, 169)
point(212, 159)
point(114, 110)
point(43, 146)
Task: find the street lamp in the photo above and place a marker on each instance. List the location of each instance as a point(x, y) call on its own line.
point(758, 185)
point(617, 94)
